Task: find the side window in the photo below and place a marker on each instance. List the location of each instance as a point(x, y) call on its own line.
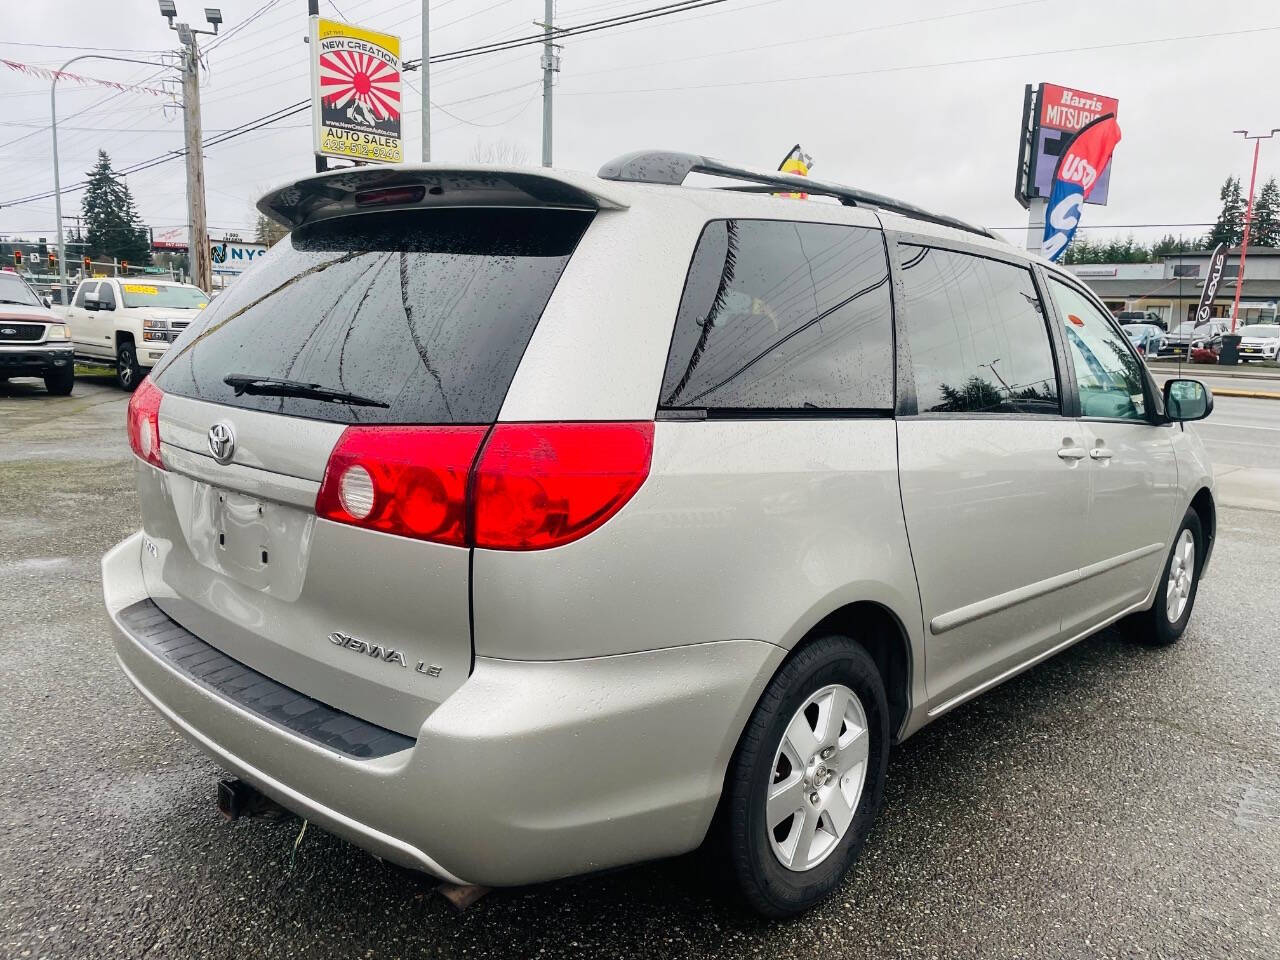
point(86, 288)
point(782, 315)
point(107, 295)
point(977, 333)
point(1108, 372)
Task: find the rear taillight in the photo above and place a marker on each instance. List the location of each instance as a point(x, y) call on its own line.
point(536, 485)
point(144, 422)
point(541, 485)
point(410, 481)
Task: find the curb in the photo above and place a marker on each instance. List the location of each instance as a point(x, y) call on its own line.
point(1250, 394)
point(1214, 370)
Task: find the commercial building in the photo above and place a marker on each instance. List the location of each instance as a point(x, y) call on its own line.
point(1171, 289)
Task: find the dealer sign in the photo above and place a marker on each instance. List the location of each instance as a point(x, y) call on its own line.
point(355, 92)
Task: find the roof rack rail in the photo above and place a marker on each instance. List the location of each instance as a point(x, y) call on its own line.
point(671, 168)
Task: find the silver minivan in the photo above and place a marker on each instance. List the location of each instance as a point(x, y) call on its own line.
point(517, 523)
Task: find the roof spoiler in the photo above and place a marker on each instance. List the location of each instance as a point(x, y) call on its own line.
point(669, 167)
point(351, 190)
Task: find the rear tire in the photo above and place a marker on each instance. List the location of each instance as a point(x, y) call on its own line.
point(1176, 591)
point(61, 381)
point(128, 373)
point(817, 746)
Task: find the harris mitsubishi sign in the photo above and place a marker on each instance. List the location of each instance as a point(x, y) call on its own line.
point(1052, 114)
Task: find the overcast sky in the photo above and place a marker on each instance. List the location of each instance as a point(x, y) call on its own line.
point(918, 100)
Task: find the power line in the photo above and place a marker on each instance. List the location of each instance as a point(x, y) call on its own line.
point(928, 66)
point(621, 20)
point(820, 37)
point(73, 46)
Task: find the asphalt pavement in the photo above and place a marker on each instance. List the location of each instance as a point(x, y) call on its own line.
point(1115, 801)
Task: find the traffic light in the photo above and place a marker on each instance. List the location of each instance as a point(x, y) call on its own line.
point(53, 259)
point(17, 258)
point(88, 265)
point(124, 266)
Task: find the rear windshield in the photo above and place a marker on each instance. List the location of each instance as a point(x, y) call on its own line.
point(425, 312)
point(139, 293)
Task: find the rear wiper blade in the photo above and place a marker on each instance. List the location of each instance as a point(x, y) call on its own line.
point(244, 383)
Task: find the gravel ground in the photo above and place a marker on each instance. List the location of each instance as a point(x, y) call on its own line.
point(1113, 802)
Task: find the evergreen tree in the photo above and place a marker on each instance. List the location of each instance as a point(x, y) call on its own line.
point(1171, 246)
point(1230, 226)
point(268, 231)
point(1264, 230)
point(112, 225)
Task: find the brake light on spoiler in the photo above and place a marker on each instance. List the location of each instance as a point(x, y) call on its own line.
point(515, 486)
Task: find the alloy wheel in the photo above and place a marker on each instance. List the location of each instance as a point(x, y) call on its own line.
point(1182, 569)
point(817, 777)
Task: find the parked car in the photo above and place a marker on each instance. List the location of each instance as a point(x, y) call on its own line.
point(511, 558)
point(33, 341)
point(1259, 341)
point(1190, 335)
point(1153, 317)
point(1146, 338)
point(128, 323)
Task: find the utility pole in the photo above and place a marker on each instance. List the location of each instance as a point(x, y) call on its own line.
point(197, 222)
point(313, 10)
point(550, 66)
point(426, 81)
point(1248, 217)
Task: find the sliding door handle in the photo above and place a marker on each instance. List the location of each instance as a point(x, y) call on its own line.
point(1100, 453)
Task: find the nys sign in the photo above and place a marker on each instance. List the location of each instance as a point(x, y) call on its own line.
point(231, 257)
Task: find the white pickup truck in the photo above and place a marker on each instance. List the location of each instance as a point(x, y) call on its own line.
point(129, 322)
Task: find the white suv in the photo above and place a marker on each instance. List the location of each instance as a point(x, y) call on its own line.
point(516, 523)
point(129, 322)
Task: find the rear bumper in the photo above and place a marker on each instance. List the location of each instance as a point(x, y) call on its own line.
point(34, 360)
point(530, 771)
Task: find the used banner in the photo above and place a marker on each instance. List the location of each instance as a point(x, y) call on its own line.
point(355, 92)
point(1082, 162)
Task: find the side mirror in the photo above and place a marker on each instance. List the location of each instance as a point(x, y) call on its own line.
point(47, 301)
point(1187, 400)
point(91, 304)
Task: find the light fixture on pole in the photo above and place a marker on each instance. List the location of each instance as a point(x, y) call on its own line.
point(1257, 139)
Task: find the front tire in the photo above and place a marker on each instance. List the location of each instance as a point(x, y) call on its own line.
point(60, 382)
point(1176, 592)
point(128, 373)
point(807, 779)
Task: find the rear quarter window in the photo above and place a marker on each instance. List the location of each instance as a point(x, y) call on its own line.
point(427, 312)
point(780, 316)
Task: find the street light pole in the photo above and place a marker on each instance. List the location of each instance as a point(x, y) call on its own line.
point(550, 65)
point(426, 82)
point(1248, 217)
point(57, 178)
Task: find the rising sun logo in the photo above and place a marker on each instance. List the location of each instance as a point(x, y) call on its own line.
point(367, 87)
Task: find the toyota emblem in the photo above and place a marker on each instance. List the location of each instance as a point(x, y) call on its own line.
point(222, 442)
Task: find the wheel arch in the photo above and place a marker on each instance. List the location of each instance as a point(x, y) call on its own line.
point(1202, 503)
point(881, 632)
